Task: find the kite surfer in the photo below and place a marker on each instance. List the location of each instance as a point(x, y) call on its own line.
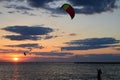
point(99, 72)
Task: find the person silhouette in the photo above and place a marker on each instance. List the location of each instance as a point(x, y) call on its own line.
point(99, 72)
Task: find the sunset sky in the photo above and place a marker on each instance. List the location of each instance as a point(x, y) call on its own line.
point(42, 26)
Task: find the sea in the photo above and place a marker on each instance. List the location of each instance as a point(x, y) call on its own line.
point(58, 71)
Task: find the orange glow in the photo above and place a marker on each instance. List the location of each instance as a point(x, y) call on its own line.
point(10, 57)
point(15, 59)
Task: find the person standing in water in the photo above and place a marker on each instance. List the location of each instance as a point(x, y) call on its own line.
point(99, 72)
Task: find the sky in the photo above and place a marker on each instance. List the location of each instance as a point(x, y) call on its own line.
point(46, 32)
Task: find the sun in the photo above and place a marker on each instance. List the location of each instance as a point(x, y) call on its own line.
point(15, 59)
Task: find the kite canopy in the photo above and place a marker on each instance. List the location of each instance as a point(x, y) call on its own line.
point(69, 9)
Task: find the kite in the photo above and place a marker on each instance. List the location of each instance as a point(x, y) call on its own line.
point(69, 9)
point(25, 53)
point(28, 52)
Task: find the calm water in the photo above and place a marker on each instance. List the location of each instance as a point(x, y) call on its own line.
point(57, 71)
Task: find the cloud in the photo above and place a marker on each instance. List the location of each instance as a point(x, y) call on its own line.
point(81, 6)
point(28, 13)
point(28, 32)
point(50, 5)
point(26, 46)
point(83, 47)
point(54, 6)
point(16, 4)
point(6, 50)
point(11, 12)
point(1, 13)
point(94, 6)
point(98, 58)
point(90, 43)
point(22, 37)
point(95, 58)
point(117, 49)
point(5, 0)
point(53, 53)
point(22, 12)
point(54, 15)
point(3, 51)
point(82, 58)
point(50, 36)
point(22, 8)
point(38, 3)
point(18, 7)
point(72, 34)
point(94, 41)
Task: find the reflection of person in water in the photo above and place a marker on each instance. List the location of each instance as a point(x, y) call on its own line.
point(99, 72)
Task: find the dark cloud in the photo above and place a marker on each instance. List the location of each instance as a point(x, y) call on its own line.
point(22, 12)
point(0, 12)
point(38, 3)
point(26, 46)
point(5, 0)
point(11, 12)
point(6, 50)
point(96, 58)
point(94, 41)
point(81, 6)
point(22, 8)
point(82, 58)
point(22, 37)
point(28, 30)
point(43, 4)
point(88, 58)
point(50, 37)
point(12, 0)
point(83, 47)
point(72, 34)
point(53, 53)
point(117, 48)
point(3, 51)
point(94, 6)
point(90, 43)
point(18, 7)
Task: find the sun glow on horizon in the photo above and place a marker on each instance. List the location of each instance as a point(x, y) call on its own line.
point(15, 59)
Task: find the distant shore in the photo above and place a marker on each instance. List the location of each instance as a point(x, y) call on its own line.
point(97, 62)
point(70, 62)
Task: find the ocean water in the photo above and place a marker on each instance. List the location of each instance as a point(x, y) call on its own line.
point(57, 71)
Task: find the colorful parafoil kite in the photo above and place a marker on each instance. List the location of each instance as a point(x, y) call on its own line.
point(69, 9)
